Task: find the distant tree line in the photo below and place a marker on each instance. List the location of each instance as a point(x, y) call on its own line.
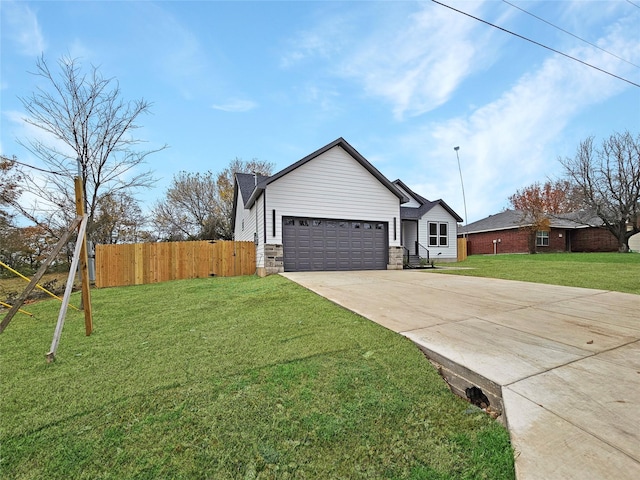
point(89, 129)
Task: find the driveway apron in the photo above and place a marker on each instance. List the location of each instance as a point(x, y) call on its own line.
point(565, 361)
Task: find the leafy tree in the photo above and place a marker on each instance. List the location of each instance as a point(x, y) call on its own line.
point(87, 126)
point(9, 188)
point(225, 184)
point(608, 178)
point(119, 219)
point(22, 247)
point(540, 202)
point(198, 206)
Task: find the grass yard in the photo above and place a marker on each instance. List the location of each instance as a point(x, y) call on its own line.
point(227, 378)
point(618, 272)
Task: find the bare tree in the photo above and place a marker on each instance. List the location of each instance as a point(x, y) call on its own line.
point(189, 210)
point(89, 129)
point(609, 179)
point(198, 206)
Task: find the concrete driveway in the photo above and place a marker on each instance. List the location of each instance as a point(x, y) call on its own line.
point(561, 363)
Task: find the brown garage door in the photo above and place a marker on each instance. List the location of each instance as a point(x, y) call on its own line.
point(312, 244)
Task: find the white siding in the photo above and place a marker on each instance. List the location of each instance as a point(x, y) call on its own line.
point(252, 226)
point(410, 235)
point(412, 203)
point(258, 213)
point(332, 185)
point(440, 215)
point(245, 223)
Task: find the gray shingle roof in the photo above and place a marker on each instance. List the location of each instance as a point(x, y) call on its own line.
point(514, 219)
point(247, 184)
point(412, 213)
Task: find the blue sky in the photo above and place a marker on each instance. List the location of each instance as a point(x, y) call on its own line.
point(403, 82)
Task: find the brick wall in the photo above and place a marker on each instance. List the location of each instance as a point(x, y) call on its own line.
point(511, 241)
point(557, 242)
point(514, 241)
point(517, 241)
point(593, 240)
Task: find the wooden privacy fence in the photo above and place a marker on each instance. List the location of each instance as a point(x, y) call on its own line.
point(462, 249)
point(142, 263)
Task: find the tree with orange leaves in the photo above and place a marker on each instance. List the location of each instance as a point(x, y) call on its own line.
point(539, 202)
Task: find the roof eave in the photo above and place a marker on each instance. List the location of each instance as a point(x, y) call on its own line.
point(254, 196)
point(339, 142)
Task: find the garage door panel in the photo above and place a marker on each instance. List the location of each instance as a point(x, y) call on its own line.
point(320, 244)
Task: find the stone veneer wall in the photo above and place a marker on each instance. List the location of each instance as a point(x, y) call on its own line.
point(273, 260)
point(396, 255)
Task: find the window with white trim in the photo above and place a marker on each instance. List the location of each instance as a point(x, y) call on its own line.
point(438, 234)
point(542, 238)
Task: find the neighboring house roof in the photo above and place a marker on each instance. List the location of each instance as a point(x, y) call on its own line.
point(515, 218)
point(340, 142)
point(412, 213)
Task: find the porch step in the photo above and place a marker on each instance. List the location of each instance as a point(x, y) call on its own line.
point(414, 261)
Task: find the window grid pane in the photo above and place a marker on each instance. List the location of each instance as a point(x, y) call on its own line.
point(542, 238)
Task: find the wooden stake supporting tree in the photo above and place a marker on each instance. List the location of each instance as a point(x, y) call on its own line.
point(79, 256)
point(51, 356)
point(84, 261)
point(41, 271)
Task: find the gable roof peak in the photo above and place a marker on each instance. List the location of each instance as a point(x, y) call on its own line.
point(341, 142)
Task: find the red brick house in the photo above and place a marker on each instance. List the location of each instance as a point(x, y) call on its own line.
point(508, 232)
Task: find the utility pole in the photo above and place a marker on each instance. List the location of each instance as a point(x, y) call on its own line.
point(464, 200)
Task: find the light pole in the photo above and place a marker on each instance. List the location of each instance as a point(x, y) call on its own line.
point(464, 200)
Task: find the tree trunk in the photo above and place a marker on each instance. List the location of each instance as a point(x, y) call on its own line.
point(532, 242)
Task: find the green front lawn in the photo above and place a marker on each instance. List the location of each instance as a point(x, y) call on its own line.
point(605, 271)
point(228, 378)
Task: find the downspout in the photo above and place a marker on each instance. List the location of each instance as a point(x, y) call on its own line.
point(264, 216)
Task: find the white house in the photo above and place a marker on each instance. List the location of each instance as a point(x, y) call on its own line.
point(333, 210)
point(429, 228)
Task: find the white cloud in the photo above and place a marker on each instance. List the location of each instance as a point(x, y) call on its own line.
point(235, 105)
point(513, 140)
point(326, 40)
point(413, 67)
point(80, 50)
point(412, 59)
point(20, 25)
